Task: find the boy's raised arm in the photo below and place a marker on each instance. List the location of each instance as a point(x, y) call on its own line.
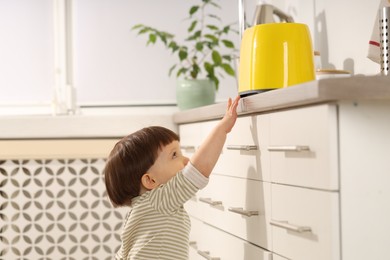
point(208, 153)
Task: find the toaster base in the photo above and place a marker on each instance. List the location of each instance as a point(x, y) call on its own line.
point(252, 92)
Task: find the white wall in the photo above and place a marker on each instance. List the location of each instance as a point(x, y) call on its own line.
point(340, 31)
point(113, 64)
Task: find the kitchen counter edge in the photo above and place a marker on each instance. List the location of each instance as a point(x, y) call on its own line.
point(310, 93)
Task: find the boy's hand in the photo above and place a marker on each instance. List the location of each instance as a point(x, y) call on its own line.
point(230, 117)
point(205, 158)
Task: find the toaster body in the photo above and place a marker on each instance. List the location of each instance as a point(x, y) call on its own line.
point(275, 56)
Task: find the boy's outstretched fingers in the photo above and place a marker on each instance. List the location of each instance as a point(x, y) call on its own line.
point(232, 105)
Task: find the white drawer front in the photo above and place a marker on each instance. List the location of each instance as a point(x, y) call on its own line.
point(240, 156)
point(196, 235)
point(313, 128)
point(238, 206)
point(190, 138)
point(305, 223)
point(216, 244)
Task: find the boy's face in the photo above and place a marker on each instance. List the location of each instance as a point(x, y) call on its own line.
point(169, 162)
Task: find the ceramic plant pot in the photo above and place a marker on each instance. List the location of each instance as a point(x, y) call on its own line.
point(192, 93)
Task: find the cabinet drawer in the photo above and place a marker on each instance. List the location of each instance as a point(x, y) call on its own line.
point(302, 147)
point(238, 206)
point(240, 155)
point(219, 245)
point(192, 136)
point(196, 235)
point(305, 223)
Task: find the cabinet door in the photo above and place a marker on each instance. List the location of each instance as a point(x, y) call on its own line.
point(219, 245)
point(238, 206)
point(190, 138)
point(305, 223)
point(197, 234)
point(365, 179)
point(240, 155)
point(303, 147)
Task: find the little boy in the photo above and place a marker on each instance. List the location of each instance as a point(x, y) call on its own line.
point(147, 172)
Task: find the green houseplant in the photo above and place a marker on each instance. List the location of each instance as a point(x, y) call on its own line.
point(204, 56)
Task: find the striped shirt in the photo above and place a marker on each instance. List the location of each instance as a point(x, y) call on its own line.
point(157, 226)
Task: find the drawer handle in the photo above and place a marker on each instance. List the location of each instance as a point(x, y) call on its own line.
point(288, 148)
point(187, 147)
point(206, 254)
point(193, 244)
point(288, 226)
point(210, 201)
point(242, 147)
point(241, 211)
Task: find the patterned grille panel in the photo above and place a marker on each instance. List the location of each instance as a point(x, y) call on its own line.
point(56, 209)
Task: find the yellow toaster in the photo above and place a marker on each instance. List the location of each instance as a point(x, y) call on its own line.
point(275, 55)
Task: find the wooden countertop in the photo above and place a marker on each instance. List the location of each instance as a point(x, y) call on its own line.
point(314, 92)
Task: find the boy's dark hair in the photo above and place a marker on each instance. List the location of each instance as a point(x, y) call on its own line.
point(131, 158)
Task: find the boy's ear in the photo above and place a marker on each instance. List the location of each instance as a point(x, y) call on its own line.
point(148, 182)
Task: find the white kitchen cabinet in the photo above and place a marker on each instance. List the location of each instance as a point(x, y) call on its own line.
point(238, 206)
point(316, 178)
point(364, 133)
point(235, 206)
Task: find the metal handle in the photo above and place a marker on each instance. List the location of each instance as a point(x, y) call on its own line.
point(206, 254)
point(288, 226)
point(288, 148)
point(282, 15)
point(242, 147)
point(210, 201)
point(241, 211)
point(193, 244)
point(187, 147)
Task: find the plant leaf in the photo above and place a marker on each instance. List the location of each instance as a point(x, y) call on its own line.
point(212, 38)
point(152, 39)
point(171, 70)
point(194, 36)
point(137, 26)
point(209, 68)
point(212, 27)
point(199, 46)
point(195, 70)
point(215, 4)
point(183, 54)
point(194, 9)
point(228, 44)
point(215, 17)
point(226, 29)
point(215, 80)
point(172, 45)
point(228, 69)
point(144, 30)
point(193, 24)
point(181, 71)
point(216, 57)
